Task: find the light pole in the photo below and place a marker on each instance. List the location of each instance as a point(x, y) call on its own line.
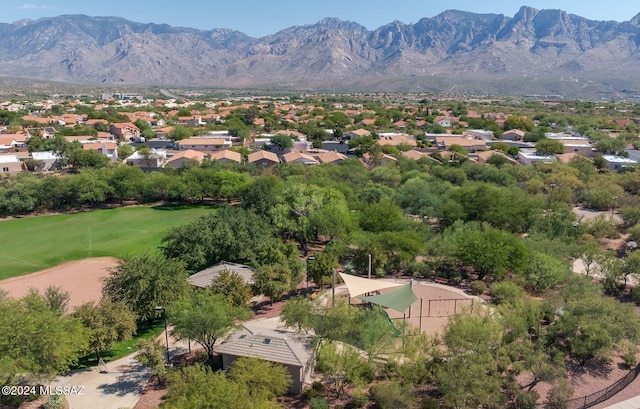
point(166, 332)
point(613, 207)
point(310, 258)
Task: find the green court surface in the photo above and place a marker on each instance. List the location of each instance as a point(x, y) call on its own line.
point(36, 243)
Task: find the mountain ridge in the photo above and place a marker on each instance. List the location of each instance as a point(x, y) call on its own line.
point(534, 52)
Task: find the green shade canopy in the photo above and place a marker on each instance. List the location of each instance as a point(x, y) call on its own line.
point(398, 300)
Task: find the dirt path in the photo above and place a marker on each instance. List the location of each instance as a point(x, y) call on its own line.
point(82, 279)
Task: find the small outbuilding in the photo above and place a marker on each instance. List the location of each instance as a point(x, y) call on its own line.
point(271, 344)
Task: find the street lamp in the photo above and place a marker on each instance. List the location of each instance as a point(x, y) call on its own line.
point(613, 207)
point(310, 258)
point(166, 332)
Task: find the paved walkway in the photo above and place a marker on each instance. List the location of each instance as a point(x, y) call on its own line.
point(119, 387)
point(633, 403)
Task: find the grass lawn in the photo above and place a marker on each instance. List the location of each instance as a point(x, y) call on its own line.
point(36, 243)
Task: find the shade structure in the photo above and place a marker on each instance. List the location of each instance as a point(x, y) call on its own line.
point(398, 300)
point(358, 286)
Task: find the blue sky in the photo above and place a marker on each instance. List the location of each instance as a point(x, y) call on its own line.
point(262, 17)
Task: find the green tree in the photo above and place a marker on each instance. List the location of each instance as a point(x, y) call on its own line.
point(108, 322)
point(282, 141)
point(263, 379)
point(229, 234)
point(233, 287)
point(491, 252)
point(299, 313)
point(272, 280)
point(549, 147)
point(197, 386)
point(145, 281)
point(151, 353)
point(320, 269)
point(36, 340)
point(339, 363)
point(204, 317)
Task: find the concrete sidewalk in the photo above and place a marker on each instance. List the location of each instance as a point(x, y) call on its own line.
point(120, 387)
point(633, 403)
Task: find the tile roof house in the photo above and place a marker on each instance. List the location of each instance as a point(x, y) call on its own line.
point(513, 135)
point(183, 158)
point(109, 149)
point(124, 130)
point(226, 155)
point(263, 158)
point(413, 154)
point(268, 341)
point(468, 144)
point(299, 157)
point(331, 157)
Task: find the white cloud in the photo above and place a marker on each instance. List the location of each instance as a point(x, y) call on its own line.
point(27, 6)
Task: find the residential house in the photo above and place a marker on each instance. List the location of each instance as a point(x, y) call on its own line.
point(203, 144)
point(566, 157)
point(468, 144)
point(7, 143)
point(395, 139)
point(109, 149)
point(483, 157)
point(184, 158)
point(226, 155)
point(443, 121)
point(299, 157)
point(479, 134)
point(413, 154)
point(124, 130)
point(331, 157)
point(265, 339)
point(263, 158)
point(513, 135)
point(10, 164)
point(49, 159)
point(383, 159)
point(153, 159)
point(618, 162)
point(337, 146)
point(531, 157)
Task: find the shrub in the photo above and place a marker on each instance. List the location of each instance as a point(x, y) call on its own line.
point(635, 294)
point(478, 287)
point(309, 394)
point(318, 403)
point(317, 386)
point(429, 403)
point(393, 395)
point(55, 402)
point(506, 292)
point(629, 359)
point(359, 399)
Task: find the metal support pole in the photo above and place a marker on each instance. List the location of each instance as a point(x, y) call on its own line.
point(420, 325)
point(166, 334)
point(333, 287)
point(369, 266)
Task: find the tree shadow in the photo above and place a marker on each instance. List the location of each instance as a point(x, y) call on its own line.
point(597, 368)
point(133, 380)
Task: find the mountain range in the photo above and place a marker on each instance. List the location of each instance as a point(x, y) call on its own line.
point(538, 52)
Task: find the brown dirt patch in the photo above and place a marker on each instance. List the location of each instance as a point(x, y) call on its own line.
point(82, 279)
